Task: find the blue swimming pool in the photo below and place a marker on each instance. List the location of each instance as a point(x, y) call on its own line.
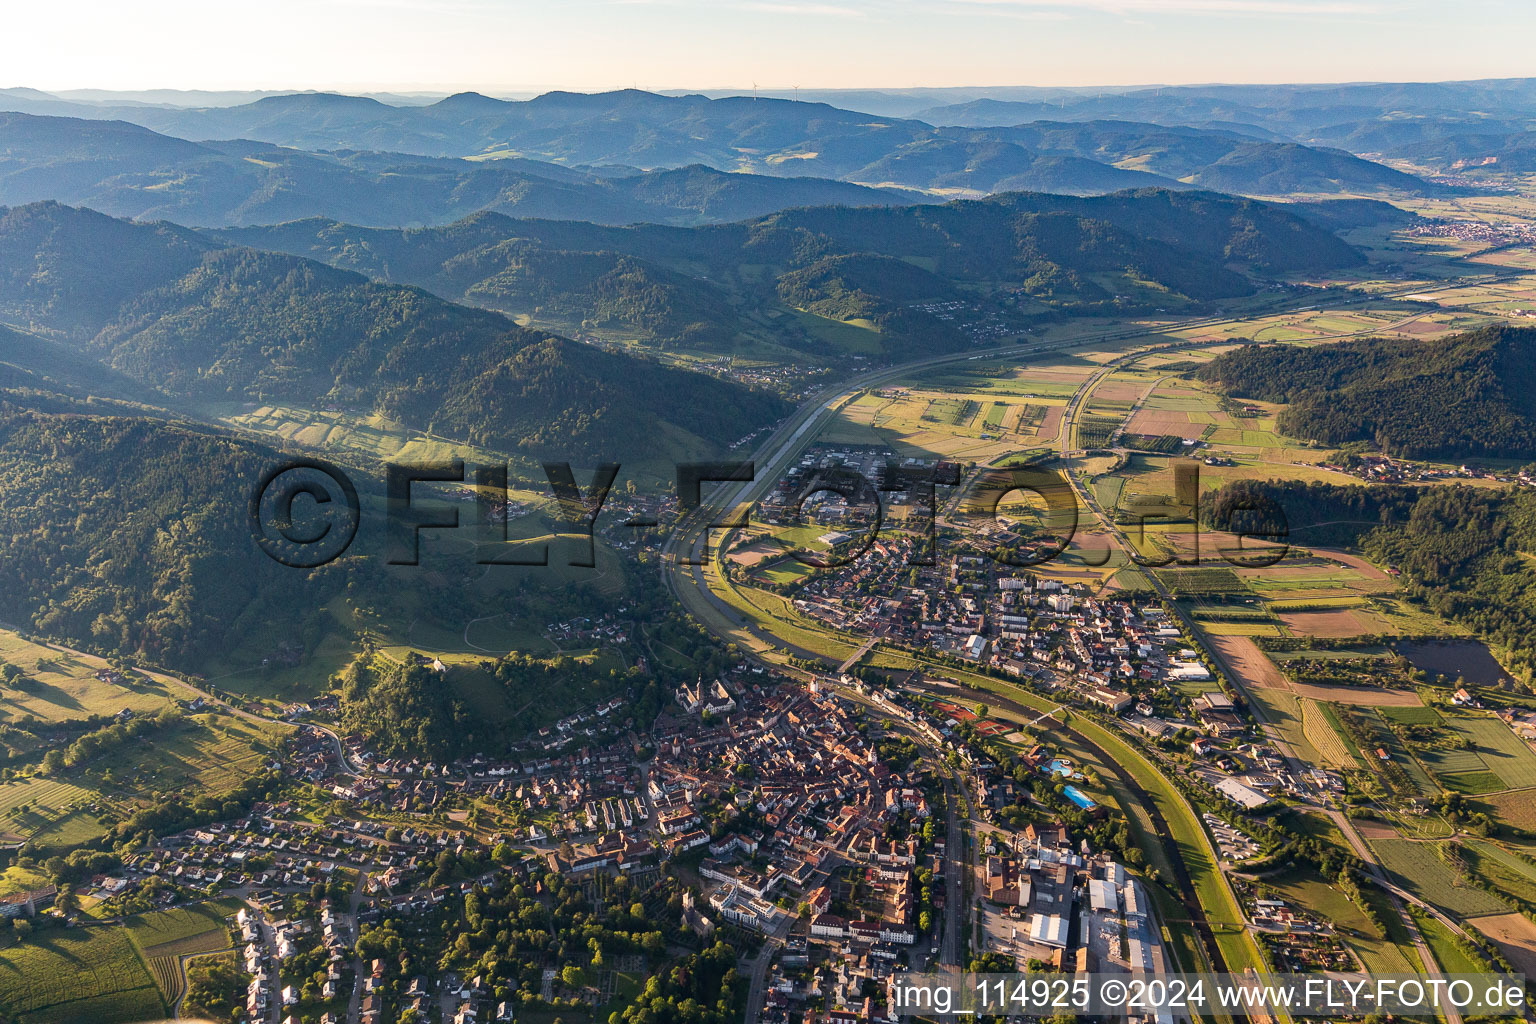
point(1078, 797)
point(1060, 766)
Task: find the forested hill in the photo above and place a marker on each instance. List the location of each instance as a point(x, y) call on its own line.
point(1010, 255)
point(1465, 553)
point(1466, 395)
point(201, 321)
point(631, 128)
point(130, 533)
point(129, 171)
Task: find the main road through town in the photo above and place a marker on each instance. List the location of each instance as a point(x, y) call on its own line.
point(686, 549)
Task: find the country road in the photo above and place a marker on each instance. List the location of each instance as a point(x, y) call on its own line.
point(686, 550)
point(1296, 765)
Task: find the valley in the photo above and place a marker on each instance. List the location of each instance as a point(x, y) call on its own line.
point(1069, 545)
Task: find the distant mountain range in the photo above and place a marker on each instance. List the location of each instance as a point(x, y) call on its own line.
point(129, 171)
point(1447, 126)
point(202, 322)
point(1261, 105)
point(916, 279)
point(782, 138)
point(1464, 395)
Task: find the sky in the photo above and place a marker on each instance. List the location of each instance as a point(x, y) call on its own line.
point(511, 46)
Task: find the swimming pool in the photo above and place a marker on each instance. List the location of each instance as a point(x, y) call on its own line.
point(1060, 766)
point(1078, 797)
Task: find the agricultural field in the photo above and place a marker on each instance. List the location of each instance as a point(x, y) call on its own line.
point(1306, 579)
point(1376, 949)
point(163, 937)
point(1032, 420)
point(1470, 754)
point(1318, 326)
point(1220, 619)
point(1442, 943)
point(1505, 754)
point(1312, 824)
point(1149, 476)
point(925, 424)
point(1331, 594)
point(1401, 759)
point(1330, 623)
point(166, 970)
point(1059, 376)
point(1411, 716)
point(1106, 490)
point(1473, 783)
point(36, 805)
point(62, 686)
point(953, 412)
point(373, 436)
point(1197, 583)
point(1179, 409)
point(1284, 712)
point(410, 618)
point(198, 928)
point(1249, 663)
point(980, 412)
point(994, 418)
point(1323, 729)
point(1447, 760)
point(211, 753)
point(1506, 871)
point(86, 974)
point(16, 879)
point(1515, 935)
point(1095, 431)
point(1419, 868)
point(1517, 807)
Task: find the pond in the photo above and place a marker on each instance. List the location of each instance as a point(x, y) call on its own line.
point(1469, 659)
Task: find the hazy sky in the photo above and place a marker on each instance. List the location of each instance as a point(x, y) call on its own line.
point(507, 45)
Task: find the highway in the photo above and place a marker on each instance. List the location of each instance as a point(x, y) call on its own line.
point(686, 550)
point(792, 436)
point(1294, 763)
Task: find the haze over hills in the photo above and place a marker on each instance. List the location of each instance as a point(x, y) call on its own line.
point(129, 171)
point(1462, 396)
point(774, 137)
point(1007, 257)
point(201, 322)
point(1281, 103)
point(890, 102)
point(1442, 125)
